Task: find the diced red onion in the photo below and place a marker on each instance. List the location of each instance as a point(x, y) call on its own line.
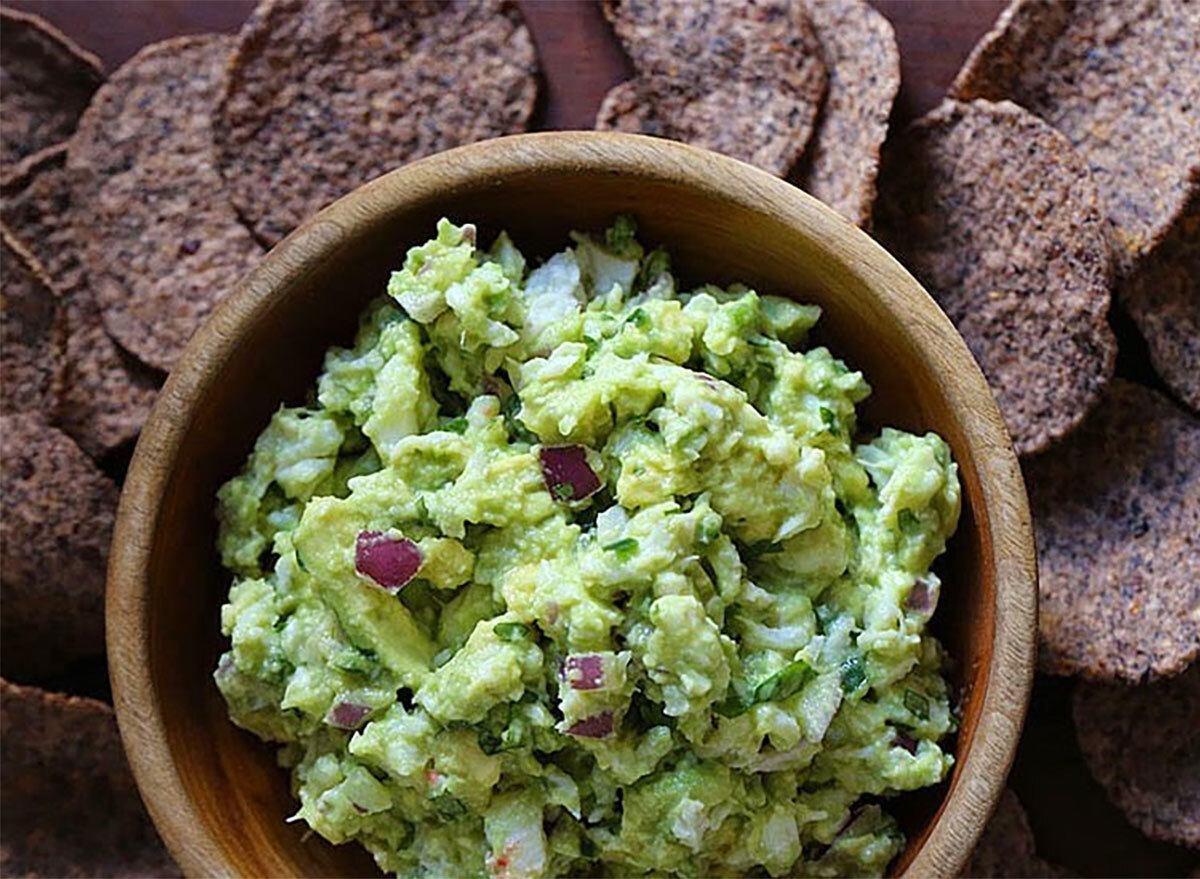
point(585, 671)
point(388, 561)
point(567, 466)
point(920, 597)
point(347, 715)
point(598, 726)
point(905, 741)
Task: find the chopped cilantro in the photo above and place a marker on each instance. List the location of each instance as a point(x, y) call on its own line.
point(732, 705)
point(513, 632)
point(786, 682)
point(352, 660)
point(708, 530)
point(518, 431)
point(853, 674)
point(639, 319)
point(624, 548)
point(825, 616)
point(917, 704)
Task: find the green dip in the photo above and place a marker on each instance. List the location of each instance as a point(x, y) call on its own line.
point(566, 572)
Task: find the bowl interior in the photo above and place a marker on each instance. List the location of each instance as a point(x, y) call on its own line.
point(266, 347)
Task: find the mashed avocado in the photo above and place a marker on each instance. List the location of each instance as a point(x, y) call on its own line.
point(565, 572)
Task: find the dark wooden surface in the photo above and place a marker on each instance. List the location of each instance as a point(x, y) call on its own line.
point(1075, 825)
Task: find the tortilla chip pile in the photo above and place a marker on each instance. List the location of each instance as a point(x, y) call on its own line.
point(1061, 172)
point(128, 207)
point(801, 88)
point(1056, 187)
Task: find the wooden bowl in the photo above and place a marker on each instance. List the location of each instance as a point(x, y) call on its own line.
point(213, 790)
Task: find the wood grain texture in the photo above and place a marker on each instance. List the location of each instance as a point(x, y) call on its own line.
point(214, 791)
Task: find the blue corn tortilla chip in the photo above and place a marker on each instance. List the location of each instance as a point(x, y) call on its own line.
point(70, 805)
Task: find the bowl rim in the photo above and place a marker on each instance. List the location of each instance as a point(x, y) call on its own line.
point(980, 780)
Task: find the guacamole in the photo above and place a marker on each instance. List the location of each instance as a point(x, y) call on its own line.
point(564, 571)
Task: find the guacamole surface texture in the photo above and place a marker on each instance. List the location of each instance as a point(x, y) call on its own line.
point(565, 571)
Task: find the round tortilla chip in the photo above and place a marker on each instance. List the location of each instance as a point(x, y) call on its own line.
point(56, 518)
point(45, 83)
point(1117, 513)
point(997, 216)
point(1006, 849)
point(33, 206)
point(27, 314)
point(743, 80)
point(859, 49)
point(161, 243)
point(100, 394)
point(1162, 295)
point(70, 805)
point(323, 97)
point(1121, 79)
point(1143, 745)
